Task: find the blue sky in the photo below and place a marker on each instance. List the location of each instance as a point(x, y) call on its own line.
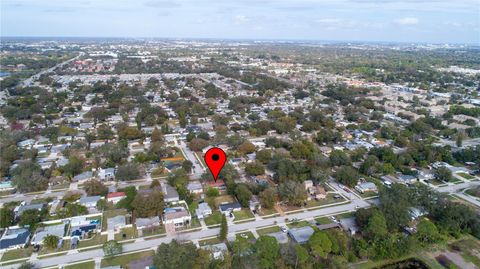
point(439, 21)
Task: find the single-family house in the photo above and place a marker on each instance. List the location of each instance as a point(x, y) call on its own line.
point(228, 208)
point(217, 250)
point(116, 223)
point(23, 207)
point(301, 235)
point(106, 174)
point(14, 238)
point(203, 210)
point(366, 187)
point(178, 216)
point(143, 223)
point(115, 197)
point(89, 202)
point(57, 230)
point(195, 187)
point(83, 177)
point(169, 193)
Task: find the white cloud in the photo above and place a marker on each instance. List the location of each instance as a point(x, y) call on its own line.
point(406, 21)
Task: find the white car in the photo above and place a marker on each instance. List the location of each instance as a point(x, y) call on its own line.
point(284, 229)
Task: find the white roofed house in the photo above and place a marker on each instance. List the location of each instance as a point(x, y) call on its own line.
point(116, 223)
point(90, 202)
point(195, 187)
point(106, 174)
point(170, 194)
point(143, 223)
point(57, 230)
point(366, 187)
point(178, 216)
point(83, 177)
point(203, 210)
point(217, 250)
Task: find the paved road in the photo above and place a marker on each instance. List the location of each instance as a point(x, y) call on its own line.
point(140, 244)
point(198, 168)
point(29, 81)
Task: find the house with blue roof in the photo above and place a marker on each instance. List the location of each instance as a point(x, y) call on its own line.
point(14, 238)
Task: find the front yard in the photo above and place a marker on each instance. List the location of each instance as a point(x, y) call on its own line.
point(123, 260)
point(214, 219)
point(243, 214)
point(17, 254)
point(97, 239)
point(268, 230)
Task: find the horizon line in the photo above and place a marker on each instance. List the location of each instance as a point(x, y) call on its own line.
point(241, 39)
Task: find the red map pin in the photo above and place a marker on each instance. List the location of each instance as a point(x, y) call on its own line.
point(215, 159)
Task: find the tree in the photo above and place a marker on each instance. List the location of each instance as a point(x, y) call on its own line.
point(187, 166)
point(157, 136)
point(319, 244)
point(268, 198)
point(338, 157)
point(51, 241)
point(377, 226)
point(347, 175)
point(6, 217)
point(73, 167)
point(30, 218)
point(267, 249)
point(176, 256)
point(148, 204)
point(427, 232)
point(101, 205)
point(292, 192)
point(129, 171)
point(94, 187)
point(243, 194)
point(443, 174)
point(198, 144)
point(212, 192)
point(254, 169)
point(27, 177)
point(264, 156)
point(112, 248)
point(394, 204)
point(459, 139)
point(223, 229)
point(246, 147)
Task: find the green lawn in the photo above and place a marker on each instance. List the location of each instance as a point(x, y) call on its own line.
point(298, 224)
point(268, 230)
point(154, 230)
point(345, 215)
point(130, 233)
point(192, 207)
point(323, 220)
point(214, 219)
point(243, 214)
point(210, 241)
point(328, 200)
point(466, 176)
point(249, 235)
point(65, 247)
point(266, 212)
point(97, 239)
point(17, 254)
point(123, 260)
point(83, 265)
